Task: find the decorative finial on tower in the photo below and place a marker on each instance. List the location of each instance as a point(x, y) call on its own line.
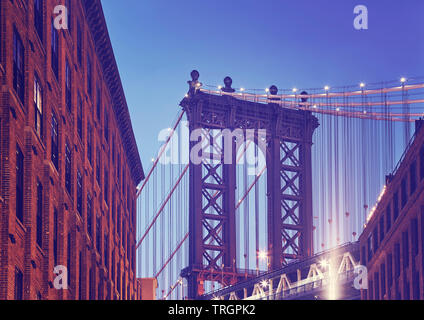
point(273, 90)
point(228, 82)
point(194, 84)
point(303, 97)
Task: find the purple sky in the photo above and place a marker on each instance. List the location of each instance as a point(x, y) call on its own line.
point(298, 43)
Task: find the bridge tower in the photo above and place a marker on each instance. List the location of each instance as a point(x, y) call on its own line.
point(212, 202)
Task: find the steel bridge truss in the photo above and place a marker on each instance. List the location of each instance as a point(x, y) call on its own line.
point(212, 230)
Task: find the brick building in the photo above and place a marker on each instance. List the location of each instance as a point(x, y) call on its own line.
point(69, 159)
point(392, 244)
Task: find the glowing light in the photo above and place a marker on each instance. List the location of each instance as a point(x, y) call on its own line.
point(326, 88)
point(242, 89)
point(380, 197)
point(219, 87)
point(324, 263)
point(403, 79)
point(266, 90)
point(263, 255)
point(314, 106)
point(338, 109)
point(264, 284)
point(362, 85)
point(294, 90)
point(186, 95)
point(153, 159)
point(198, 84)
point(365, 111)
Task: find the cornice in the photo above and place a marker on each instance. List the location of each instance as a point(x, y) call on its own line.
point(97, 23)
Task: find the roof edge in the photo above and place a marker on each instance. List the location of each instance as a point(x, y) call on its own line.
point(103, 46)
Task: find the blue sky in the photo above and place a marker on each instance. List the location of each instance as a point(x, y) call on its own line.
point(300, 43)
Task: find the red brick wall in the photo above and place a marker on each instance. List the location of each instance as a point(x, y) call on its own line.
point(18, 241)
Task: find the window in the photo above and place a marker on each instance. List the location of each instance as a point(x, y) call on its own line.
point(79, 192)
point(55, 236)
point(395, 206)
point(38, 18)
point(389, 271)
point(397, 260)
point(69, 258)
point(118, 223)
point(414, 237)
point(19, 184)
point(89, 216)
point(106, 185)
point(383, 280)
point(79, 117)
point(79, 44)
point(413, 177)
point(404, 192)
point(80, 277)
point(38, 107)
point(370, 247)
point(99, 102)
point(68, 168)
point(416, 285)
point(388, 218)
point(118, 280)
point(405, 249)
point(89, 77)
point(68, 88)
point(113, 149)
point(377, 286)
point(98, 165)
point(19, 284)
point(98, 234)
point(118, 169)
point(106, 126)
point(91, 284)
point(55, 51)
point(89, 143)
point(18, 66)
point(375, 239)
point(422, 163)
point(422, 234)
point(39, 218)
point(106, 249)
point(55, 141)
point(382, 229)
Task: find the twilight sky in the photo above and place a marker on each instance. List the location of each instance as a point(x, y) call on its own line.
point(302, 43)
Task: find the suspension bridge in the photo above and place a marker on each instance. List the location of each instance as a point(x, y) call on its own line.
point(248, 181)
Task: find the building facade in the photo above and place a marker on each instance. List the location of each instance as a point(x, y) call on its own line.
point(392, 244)
point(69, 159)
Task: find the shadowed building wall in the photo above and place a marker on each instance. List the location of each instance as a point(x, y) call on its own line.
point(392, 244)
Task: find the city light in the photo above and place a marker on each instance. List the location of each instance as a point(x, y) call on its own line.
point(263, 255)
point(403, 79)
point(324, 263)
